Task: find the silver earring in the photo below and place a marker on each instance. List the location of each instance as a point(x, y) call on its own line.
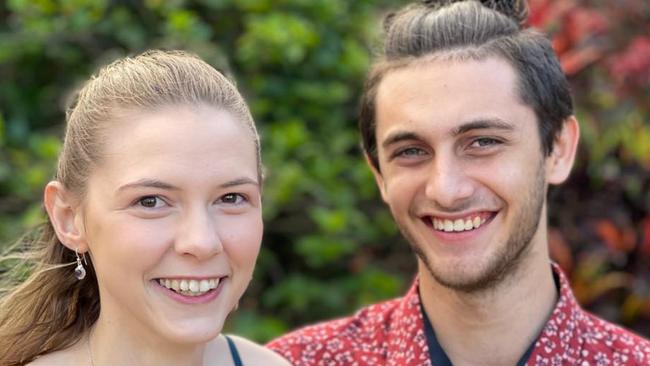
point(79, 271)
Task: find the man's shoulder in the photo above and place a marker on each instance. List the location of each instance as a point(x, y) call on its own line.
point(340, 341)
point(575, 336)
point(602, 340)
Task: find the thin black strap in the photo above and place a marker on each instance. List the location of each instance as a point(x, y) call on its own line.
point(233, 352)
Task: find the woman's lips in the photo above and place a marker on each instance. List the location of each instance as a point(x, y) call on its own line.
point(191, 291)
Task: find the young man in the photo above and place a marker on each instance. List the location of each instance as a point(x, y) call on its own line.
point(465, 122)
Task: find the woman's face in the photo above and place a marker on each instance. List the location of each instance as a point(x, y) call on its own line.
point(172, 219)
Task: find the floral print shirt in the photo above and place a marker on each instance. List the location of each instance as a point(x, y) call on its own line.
point(392, 333)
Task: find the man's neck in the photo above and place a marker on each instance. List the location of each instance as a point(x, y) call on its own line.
point(494, 327)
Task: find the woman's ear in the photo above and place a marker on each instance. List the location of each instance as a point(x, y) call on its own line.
point(560, 162)
point(65, 216)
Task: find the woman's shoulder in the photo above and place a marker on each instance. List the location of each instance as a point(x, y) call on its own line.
point(252, 353)
point(68, 356)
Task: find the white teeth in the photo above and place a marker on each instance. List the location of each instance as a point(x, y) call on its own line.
point(449, 226)
point(457, 225)
point(194, 285)
point(204, 285)
point(190, 287)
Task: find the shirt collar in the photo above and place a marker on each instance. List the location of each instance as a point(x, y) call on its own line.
point(407, 341)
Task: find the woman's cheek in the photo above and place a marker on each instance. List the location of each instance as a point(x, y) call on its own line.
point(242, 237)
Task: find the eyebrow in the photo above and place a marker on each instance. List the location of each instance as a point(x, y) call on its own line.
point(478, 124)
point(154, 183)
point(148, 183)
point(399, 136)
point(483, 124)
point(239, 182)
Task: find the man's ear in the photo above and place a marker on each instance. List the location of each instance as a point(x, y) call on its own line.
point(65, 216)
point(378, 178)
point(560, 162)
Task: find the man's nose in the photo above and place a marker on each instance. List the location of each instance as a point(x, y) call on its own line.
point(199, 235)
point(448, 184)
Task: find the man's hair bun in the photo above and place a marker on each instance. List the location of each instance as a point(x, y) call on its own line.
point(516, 10)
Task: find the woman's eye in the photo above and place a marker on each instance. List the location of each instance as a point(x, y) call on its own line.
point(150, 202)
point(233, 198)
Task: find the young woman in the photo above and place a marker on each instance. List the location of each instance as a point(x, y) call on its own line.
point(154, 225)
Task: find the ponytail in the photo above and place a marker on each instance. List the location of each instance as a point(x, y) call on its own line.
point(49, 310)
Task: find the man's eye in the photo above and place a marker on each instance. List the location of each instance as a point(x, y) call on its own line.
point(150, 202)
point(411, 151)
point(485, 142)
point(233, 198)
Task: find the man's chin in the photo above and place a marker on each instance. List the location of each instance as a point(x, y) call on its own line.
point(469, 275)
point(466, 281)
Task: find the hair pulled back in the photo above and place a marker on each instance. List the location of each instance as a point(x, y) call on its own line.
point(51, 310)
point(471, 29)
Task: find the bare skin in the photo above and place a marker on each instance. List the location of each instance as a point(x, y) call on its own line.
point(465, 149)
point(176, 198)
point(494, 328)
point(214, 353)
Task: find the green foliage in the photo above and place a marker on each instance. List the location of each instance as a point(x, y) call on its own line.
point(300, 63)
point(330, 246)
point(602, 214)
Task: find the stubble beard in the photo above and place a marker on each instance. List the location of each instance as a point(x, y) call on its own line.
point(503, 262)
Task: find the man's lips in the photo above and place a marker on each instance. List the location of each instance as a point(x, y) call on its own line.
point(459, 223)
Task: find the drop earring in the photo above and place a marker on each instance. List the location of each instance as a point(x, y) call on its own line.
point(79, 271)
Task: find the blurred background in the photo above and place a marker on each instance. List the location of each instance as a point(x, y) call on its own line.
point(330, 245)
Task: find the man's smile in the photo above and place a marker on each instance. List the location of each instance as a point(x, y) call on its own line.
point(467, 222)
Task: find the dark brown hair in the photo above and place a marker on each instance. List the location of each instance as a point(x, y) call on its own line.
point(472, 29)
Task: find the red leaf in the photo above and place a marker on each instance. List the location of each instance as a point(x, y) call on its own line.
point(561, 44)
point(615, 239)
point(583, 23)
point(539, 12)
point(632, 65)
point(574, 61)
point(645, 244)
point(559, 250)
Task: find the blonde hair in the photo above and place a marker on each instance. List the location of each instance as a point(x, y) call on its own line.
point(50, 310)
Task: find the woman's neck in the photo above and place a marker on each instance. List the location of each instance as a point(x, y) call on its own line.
point(109, 342)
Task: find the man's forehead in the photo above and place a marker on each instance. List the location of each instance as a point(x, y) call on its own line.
point(429, 71)
point(455, 95)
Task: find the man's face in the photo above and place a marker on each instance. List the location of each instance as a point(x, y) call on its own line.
point(462, 169)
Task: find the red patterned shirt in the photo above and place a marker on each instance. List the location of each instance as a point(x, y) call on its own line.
point(392, 333)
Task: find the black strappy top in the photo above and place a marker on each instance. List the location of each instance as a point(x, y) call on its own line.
point(233, 352)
